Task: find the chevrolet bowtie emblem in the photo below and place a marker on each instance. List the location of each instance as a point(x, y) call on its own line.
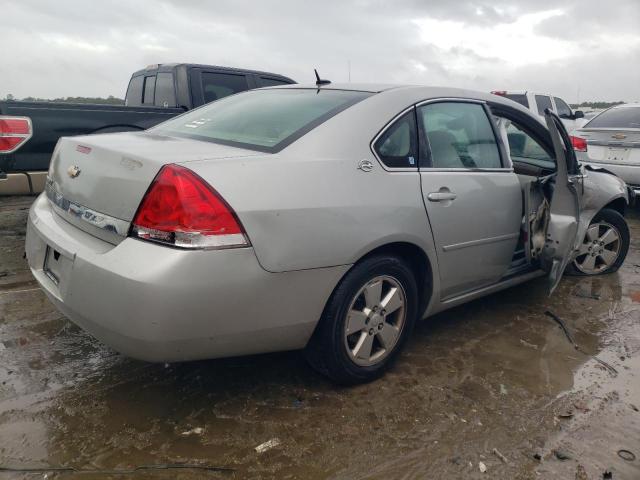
point(73, 171)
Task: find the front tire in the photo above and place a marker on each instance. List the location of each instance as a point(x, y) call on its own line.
point(604, 247)
point(366, 322)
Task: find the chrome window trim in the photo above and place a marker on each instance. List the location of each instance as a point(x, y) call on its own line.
point(386, 127)
point(106, 227)
point(483, 103)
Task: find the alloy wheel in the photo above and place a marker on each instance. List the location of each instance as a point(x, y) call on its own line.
point(599, 249)
point(375, 320)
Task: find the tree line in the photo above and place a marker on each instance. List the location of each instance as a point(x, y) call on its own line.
point(110, 100)
point(596, 105)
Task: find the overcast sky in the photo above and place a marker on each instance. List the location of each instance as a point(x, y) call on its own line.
point(586, 49)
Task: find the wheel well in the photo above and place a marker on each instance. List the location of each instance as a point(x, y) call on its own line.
point(417, 260)
point(619, 205)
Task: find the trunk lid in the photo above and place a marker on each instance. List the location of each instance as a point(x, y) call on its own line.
point(98, 179)
point(612, 145)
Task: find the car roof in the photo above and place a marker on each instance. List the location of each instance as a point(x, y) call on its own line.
point(411, 93)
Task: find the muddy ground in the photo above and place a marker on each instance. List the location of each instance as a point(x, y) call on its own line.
point(494, 374)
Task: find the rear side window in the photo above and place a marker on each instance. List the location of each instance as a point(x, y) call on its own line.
point(219, 85)
point(149, 90)
point(264, 120)
point(519, 98)
point(165, 91)
point(562, 108)
point(619, 117)
point(397, 147)
point(542, 102)
point(271, 82)
point(460, 135)
point(134, 92)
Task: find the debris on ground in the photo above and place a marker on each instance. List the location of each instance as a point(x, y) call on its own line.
point(582, 294)
point(503, 389)
point(565, 415)
point(564, 328)
point(561, 455)
point(497, 453)
point(268, 445)
point(581, 473)
point(626, 455)
point(193, 431)
point(482, 467)
point(529, 345)
point(607, 475)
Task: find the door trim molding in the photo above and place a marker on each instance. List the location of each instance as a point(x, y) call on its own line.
point(481, 241)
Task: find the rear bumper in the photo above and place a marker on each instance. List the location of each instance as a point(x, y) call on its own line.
point(160, 304)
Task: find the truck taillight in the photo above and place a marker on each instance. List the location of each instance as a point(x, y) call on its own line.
point(579, 144)
point(14, 132)
point(182, 210)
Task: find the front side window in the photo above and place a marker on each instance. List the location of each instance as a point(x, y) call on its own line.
point(165, 91)
point(563, 109)
point(264, 120)
point(219, 85)
point(459, 135)
point(542, 102)
point(524, 148)
point(397, 147)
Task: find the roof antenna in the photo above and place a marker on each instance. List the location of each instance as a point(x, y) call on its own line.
point(319, 81)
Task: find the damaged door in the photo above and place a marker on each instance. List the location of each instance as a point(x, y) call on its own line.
point(561, 241)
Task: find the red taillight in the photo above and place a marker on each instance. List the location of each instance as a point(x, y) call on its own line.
point(579, 144)
point(502, 93)
point(182, 210)
point(14, 132)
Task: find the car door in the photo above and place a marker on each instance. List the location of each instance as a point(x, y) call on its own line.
point(472, 196)
point(562, 233)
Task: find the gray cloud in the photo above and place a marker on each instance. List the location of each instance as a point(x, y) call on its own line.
point(74, 47)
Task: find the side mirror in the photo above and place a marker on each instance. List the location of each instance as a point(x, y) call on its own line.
point(578, 114)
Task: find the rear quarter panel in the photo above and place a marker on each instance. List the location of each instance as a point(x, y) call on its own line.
point(309, 206)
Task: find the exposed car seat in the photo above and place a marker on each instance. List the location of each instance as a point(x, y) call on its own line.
point(443, 151)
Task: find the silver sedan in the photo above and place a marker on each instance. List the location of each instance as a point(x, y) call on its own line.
point(329, 218)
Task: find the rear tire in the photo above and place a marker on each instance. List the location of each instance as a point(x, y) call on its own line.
point(366, 321)
point(608, 224)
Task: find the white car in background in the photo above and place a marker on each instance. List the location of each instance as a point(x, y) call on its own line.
point(611, 140)
point(537, 102)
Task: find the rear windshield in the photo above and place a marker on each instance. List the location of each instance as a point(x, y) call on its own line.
point(521, 99)
point(621, 117)
point(263, 120)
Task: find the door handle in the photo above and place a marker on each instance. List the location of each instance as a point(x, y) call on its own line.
point(441, 196)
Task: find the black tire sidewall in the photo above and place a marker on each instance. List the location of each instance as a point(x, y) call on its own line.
point(329, 336)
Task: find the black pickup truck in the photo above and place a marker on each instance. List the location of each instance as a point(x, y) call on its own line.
point(29, 131)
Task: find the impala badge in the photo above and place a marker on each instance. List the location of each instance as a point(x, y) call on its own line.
point(73, 171)
point(365, 165)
